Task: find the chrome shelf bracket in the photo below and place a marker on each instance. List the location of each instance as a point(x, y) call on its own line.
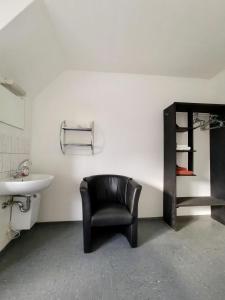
point(62, 136)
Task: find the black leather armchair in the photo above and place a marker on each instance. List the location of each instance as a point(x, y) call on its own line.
point(110, 200)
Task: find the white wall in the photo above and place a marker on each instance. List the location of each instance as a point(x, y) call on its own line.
point(128, 114)
point(14, 147)
point(217, 87)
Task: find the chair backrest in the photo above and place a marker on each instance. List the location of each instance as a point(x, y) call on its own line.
point(107, 189)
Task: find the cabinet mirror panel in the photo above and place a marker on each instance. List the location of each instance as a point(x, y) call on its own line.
point(11, 109)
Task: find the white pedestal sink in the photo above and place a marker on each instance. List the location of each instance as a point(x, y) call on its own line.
point(28, 185)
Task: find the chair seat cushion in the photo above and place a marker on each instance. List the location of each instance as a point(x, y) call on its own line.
point(111, 214)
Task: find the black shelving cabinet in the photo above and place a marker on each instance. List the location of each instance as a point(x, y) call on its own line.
point(217, 162)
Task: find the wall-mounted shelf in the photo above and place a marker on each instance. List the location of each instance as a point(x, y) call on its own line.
point(77, 144)
point(64, 128)
point(76, 129)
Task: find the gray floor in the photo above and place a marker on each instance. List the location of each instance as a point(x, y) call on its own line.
point(48, 263)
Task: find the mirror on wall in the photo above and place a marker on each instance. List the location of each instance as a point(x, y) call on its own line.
point(12, 108)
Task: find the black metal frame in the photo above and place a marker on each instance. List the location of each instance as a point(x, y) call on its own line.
point(217, 162)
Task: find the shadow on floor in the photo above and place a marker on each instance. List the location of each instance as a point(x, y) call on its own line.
point(184, 221)
point(148, 229)
point(104, 235)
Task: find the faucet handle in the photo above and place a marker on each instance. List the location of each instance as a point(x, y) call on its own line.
point(25, 171)
point(26, 163)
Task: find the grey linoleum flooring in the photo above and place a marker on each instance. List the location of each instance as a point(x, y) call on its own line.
point(48, 263)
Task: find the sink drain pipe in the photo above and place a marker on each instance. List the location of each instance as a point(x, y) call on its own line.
point(23, 207)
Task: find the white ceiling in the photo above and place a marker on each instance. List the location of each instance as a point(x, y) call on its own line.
point(160, 37)
point(163, 37)
point(10, 9)
point(30, 52)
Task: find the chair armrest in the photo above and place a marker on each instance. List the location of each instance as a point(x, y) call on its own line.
point(86, 201)
point(132, 196)
point(83, 185)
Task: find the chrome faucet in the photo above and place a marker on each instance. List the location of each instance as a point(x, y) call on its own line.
point(23, 169)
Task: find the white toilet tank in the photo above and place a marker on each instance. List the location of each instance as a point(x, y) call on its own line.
point(24, 221)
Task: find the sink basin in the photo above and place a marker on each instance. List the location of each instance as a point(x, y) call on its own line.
point(25, 185)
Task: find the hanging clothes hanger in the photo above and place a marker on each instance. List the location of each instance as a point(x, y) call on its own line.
point(197, 122)
point(213, 122)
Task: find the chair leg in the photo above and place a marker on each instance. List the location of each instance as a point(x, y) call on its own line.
point(87, 238)
point(132, 233)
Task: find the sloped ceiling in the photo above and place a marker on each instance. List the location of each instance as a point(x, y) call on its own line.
point(172, 38)
point(30, 52)
point(9, 9)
